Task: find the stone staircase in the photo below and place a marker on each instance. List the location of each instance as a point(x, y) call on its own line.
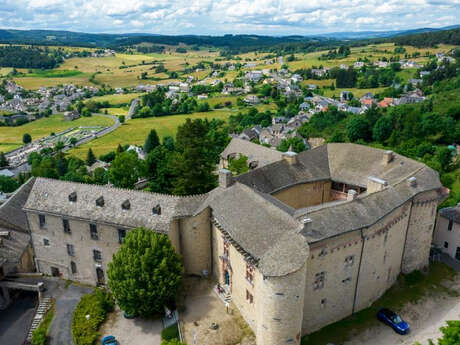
point(43, 307)
point(225, 295)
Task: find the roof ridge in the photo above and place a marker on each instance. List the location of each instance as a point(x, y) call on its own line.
point(126, 189)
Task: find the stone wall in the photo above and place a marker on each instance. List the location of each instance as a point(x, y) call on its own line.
point(443, 235)
point(305, 194)
point(280, 310)
point(195, 243)
point(56, 255)
point(420, 231)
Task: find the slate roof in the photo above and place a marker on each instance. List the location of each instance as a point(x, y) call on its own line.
point(260, 227)
point(451, 213)
point(52, 196)
point(254, 152)
point(271, 232)
point(14, 221)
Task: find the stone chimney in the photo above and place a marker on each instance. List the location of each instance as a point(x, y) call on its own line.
point(225, 178)
point(375, 184)
point(290, 157)
point(412, 181)
point(388, 157)
point(306, 221)
point(352, 194)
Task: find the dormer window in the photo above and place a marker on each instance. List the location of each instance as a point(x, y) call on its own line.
point(100, 201)
point(156, 210)
point(73, 197)
point(126, 205)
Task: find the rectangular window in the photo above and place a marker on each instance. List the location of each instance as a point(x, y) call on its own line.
point(97, 255)
point(446, 245)
point(70, 250)
point(451, 224)
point(46, 242)
point(457, 254)
point(319, 280)
point(249, 297)
point(73, 267)
point(66, 225)
point(121, 235)
point(323, 303)
point(249, 273)
point(93, 231)
point(42, 220)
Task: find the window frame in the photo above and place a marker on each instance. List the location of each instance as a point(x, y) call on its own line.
point(42, 221)
point(66, 226)
point(121, 239)
point(70, 249)
point(93, 234)
point(450, 225)
point(97, 258)
point(46, 242)
point(73, 267)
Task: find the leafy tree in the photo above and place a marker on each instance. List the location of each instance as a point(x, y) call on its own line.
point(90, 157)
point(26, 138)
point(174, 341)
point(159, 169)
point(358, 128)
point(152, 141)
point(125, 170)
point(145, 274)
point(3, 160)
point(296, 143)
point(8, 184)
point(450, 333)
point(121, 118)
point(382, 129)
point(100, 175)
point(238, 165)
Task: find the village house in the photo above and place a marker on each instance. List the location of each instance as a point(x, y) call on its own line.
point(71, 115)
point(333, 228)
point(447, 233)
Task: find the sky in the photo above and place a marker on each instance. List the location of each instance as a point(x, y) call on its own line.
point(269, 17)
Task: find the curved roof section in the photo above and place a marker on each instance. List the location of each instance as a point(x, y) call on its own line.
point(261, 154)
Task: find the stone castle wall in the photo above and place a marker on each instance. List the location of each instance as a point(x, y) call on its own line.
point(305, 194)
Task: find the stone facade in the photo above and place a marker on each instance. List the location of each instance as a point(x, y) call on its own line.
point(447, 232)
point(292, 254)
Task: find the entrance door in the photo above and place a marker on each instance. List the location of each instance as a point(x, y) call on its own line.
point(227, 278)
point(55, 272)
point(100, 276)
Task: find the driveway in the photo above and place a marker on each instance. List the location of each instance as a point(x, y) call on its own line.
point(425, 319)
point(66, 301)
point(16, 319)
point(132, 331)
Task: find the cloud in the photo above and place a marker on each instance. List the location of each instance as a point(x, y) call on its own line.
point(215, 17)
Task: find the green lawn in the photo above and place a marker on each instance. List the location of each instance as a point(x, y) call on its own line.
point(136, 130)
point(408, 289)
point(11, 137)
point(117, 99)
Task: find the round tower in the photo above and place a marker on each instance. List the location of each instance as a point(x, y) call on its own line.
point(280, 312)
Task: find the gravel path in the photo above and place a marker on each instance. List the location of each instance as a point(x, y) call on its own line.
point(425, 319)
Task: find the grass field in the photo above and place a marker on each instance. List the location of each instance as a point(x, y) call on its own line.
point(135, 131)
point(117, 99)
point(11, 137)
point(115, 111)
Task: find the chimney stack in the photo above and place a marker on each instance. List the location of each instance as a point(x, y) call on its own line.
point(225, 178)
point(352, 194)
point(375, 184)
point(388, 157)
point(306, 223)
point(290, 157)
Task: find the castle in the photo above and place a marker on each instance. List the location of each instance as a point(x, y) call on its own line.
point(299, 242)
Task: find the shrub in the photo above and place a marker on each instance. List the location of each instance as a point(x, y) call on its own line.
point(96, 305)
point(170, 333)
point(172, 342)
point(39, 336)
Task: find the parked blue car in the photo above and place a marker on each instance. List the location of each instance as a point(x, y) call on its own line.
point(109, 340)
point(393, 320)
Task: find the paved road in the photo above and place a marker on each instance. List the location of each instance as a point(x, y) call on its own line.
point(16, 319)
point(66, 301)
point(133, 106)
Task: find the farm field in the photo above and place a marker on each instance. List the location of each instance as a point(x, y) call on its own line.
point(117, 99)
point(136, 130)
point(11, 137)
point(115, 111)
